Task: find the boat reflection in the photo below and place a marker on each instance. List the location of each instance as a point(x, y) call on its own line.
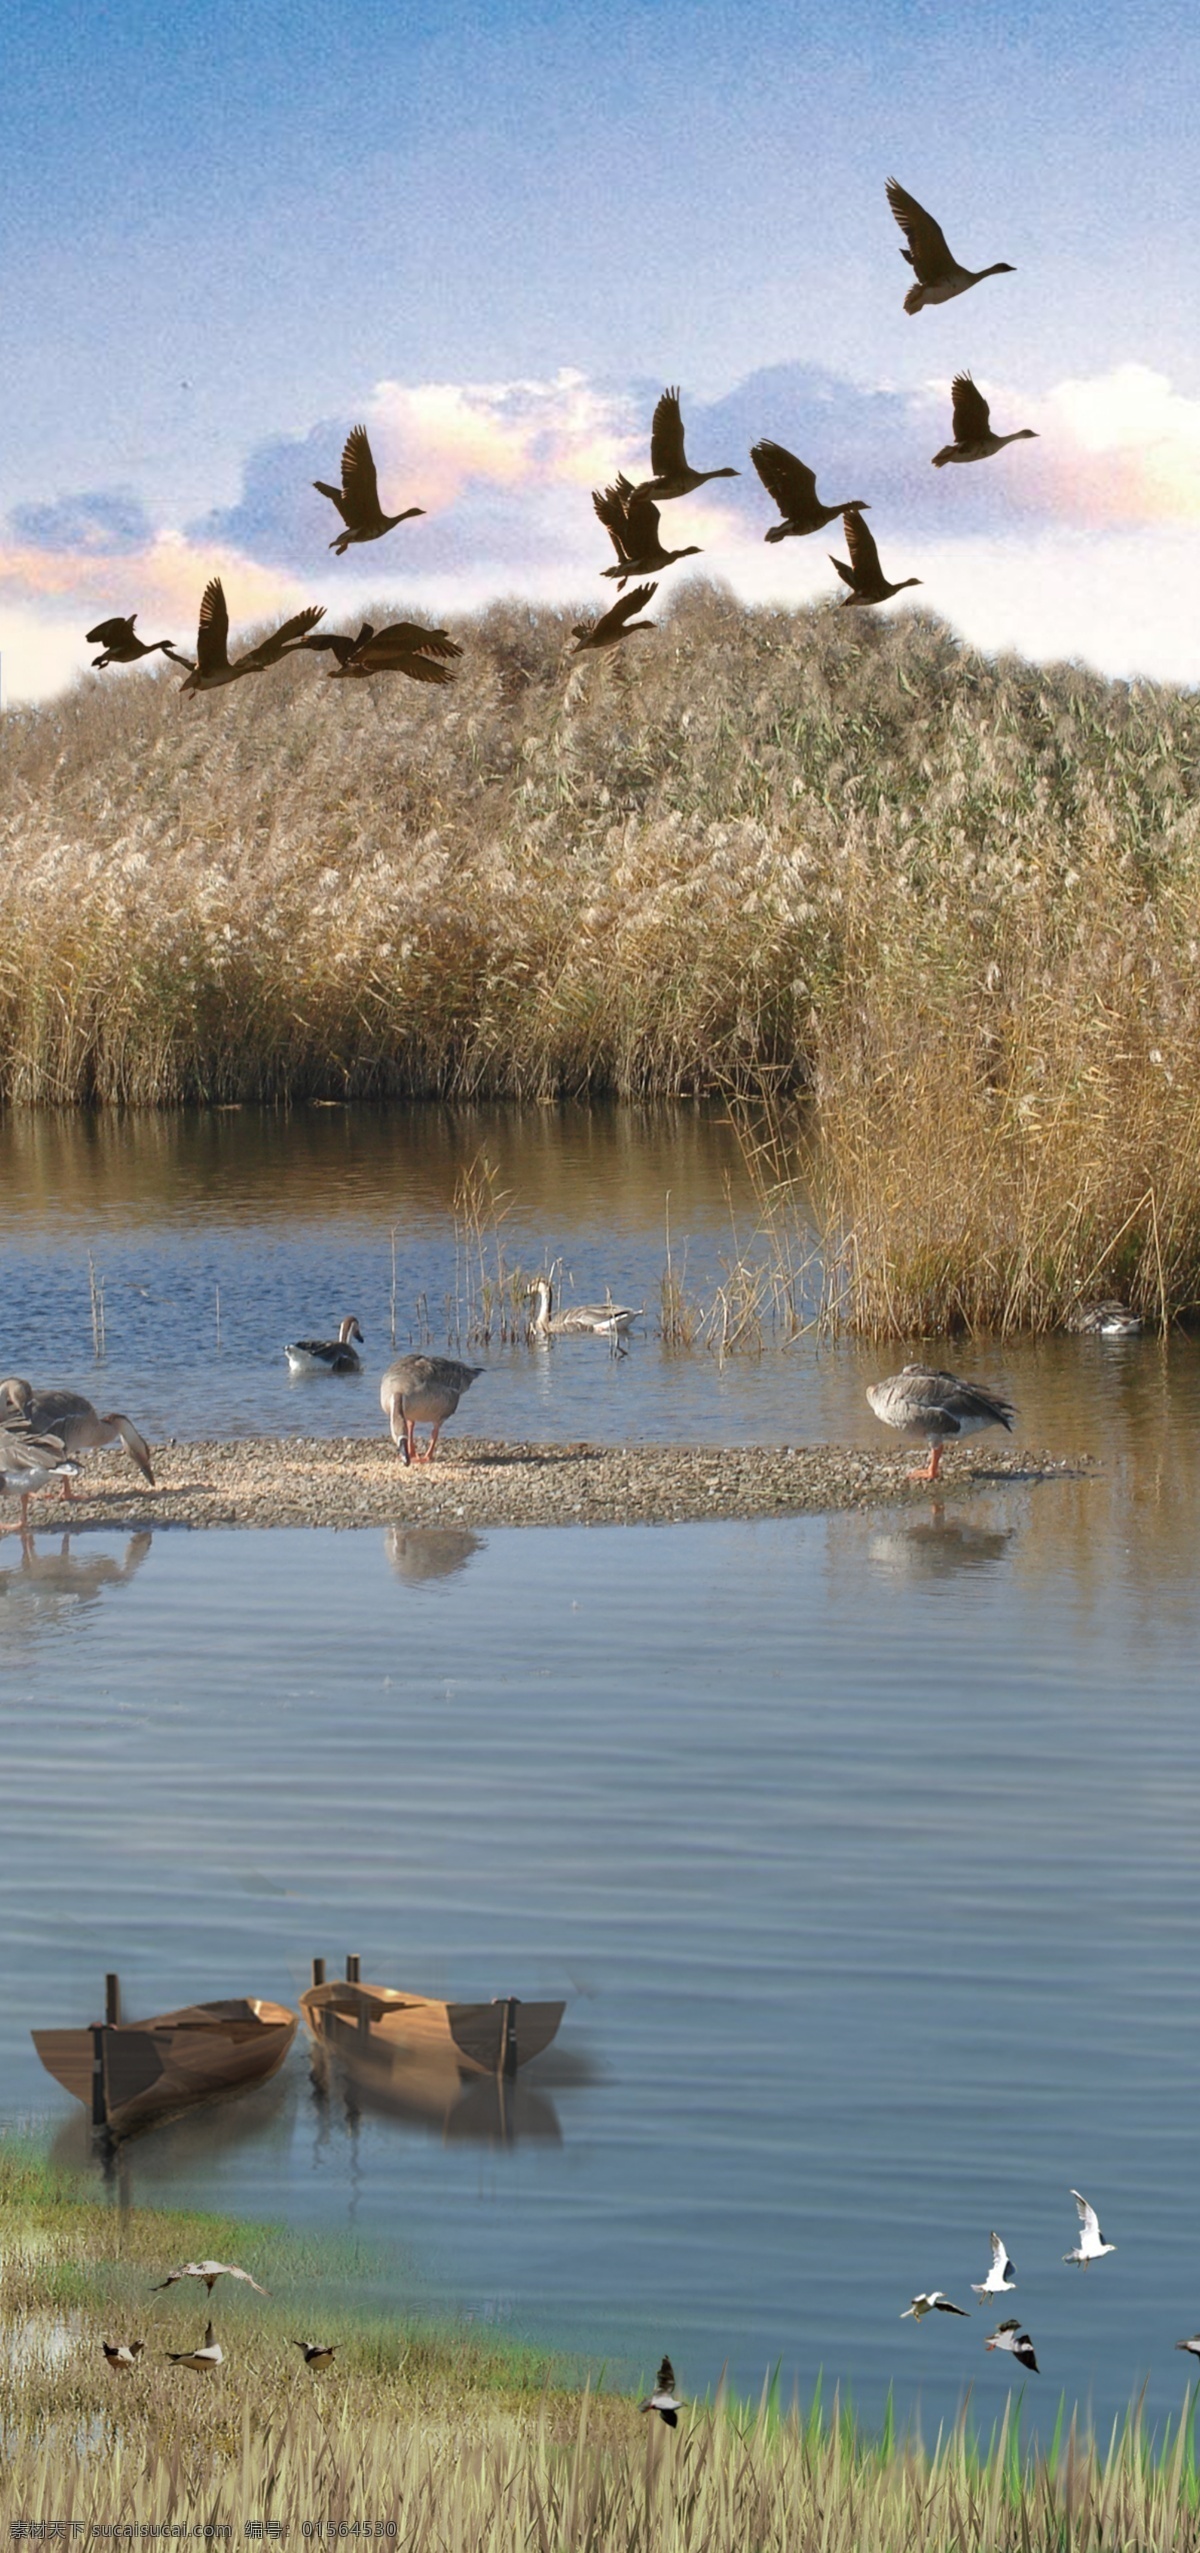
point(417, 1552)
point(429, 2094)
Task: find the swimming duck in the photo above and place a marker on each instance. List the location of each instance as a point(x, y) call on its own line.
point(212, 669)
point(72, 1419)
point(939, 275)
point(357, 499)
point(1108, 1320)
point(205, 2360)
point(664, 2398)
point(121, 647)
point(793, 487)
point(632, 526)
point(601, 1320)
point(924, 1403)
point(328, 1356)
point(673, 474)
point(973, 436)
point(864, 576)
point(29, 1463)
point(616, 623)
point(424, 1389)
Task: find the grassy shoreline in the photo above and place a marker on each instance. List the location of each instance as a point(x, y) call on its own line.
point(440, 2440)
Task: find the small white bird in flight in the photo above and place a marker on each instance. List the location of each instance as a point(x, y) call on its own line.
point(1001, 2278)
point(212, 2355)
point(123, 2354)
point(934, 2302)
point(209, 2271)
point(1193, 2344)
point(317, 2353)
point(1092, 2245)
point(664, 2398)
point(1010, 2336)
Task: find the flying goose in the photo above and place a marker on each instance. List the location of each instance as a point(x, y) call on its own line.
point(937, 1408)
point(78, 1427)
point(932, 2301)
point(122, 2354)
point(116, 637)
point(793, 488)
point(616, 623)
point(864, 576)
point(29, 1463)
point(317, 2353)
point(1091, 2245)
point(664, 2398)
point(973, 437)
point(601, 1320)
point(1001, 2278)
point(632, 526)
point(425, 1389)
point(203, 2360)
point(673, 475)
point(357, 499)
point(403, 648)
point(209, 2271)
point(1010, 2336)
point(328, 1356)
point(212, 669)
point(939, 275)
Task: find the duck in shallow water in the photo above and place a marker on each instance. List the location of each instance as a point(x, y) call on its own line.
point(328, 1356)
point(938, 1408)
point(598, 1320)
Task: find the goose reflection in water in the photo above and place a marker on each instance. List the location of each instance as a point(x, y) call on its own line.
point(418, 1552)
point(44, 1583)
point(939, 1547)
point(433, 2097)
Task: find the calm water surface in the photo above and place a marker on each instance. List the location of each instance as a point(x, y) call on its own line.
point(863, 1848)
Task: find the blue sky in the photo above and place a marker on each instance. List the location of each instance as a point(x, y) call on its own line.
point(231, 233)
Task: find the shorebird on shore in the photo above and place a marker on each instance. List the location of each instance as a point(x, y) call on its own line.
point(203, 2360)
point(213, 668)
point(938, 273)
point(1010, 2336)
point(79, 1427)
point(937, 1407)
point(28, 1463)
point(1091, 2245)
point(672, 471)
point(122, 2355)
point(631, 523)
point(357, 499)
point(423, 1390)
point(616, 623)
point(1001, 2278)
point(793, 487)
point(664, 2398)
point(317, 2353)
point(933, 2302)
point(973, 436)
point(864, 576)
point(597, 1320)
point(328, 1356)
point(121, 647)
point(209, 2271)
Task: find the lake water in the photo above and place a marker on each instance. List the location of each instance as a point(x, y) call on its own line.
point(863, 1848)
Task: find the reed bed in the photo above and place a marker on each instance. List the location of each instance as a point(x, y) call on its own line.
point(956, 899)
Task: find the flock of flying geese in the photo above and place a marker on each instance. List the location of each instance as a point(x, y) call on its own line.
point(628, 513)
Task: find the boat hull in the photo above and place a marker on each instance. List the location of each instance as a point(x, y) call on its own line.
point(130, 2075)
point(425, 2050)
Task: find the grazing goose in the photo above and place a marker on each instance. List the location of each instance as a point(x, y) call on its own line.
point(937, 1408)
point(1109, 1320)
point(357, 499)
point(616, 623)
point(1091, 2245)
point(78, 1427)
point(328, 1356)
point(673, 475)
point(932, 2302)
point(939, 275)
point(1001, 2278)
point(209, 2271)
point(122, 2355)
point(1010, 2336)
point(424, 1390)
point(205, 2360)
point(793, 487)
point(120, 646)
point(600, 1320)
point(317, 2353)
point(29, 1463)
point(864, 576)
point(404, 648)
point(212, 669)
point(664, 2398)
point(632, 526)
point(973, 436)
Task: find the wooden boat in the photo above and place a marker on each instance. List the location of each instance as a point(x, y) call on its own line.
point(131, 2074)
point(383, 2035)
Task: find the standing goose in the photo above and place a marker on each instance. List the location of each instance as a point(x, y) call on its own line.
point(403, 648)
point(205, 2361)
point(938, 1408)
point(212, 669)
point(673, 475)
point(357, 499)
point(616, 623)
point(631, 523)
point(29, 1463)
point(864, 576)
point(973, 437)
point(793, 488)
point(72, 1420)
point(599, 1320)
point(328, 1356)
point(120, 646)
point(425, 1390)
point(939, 275)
